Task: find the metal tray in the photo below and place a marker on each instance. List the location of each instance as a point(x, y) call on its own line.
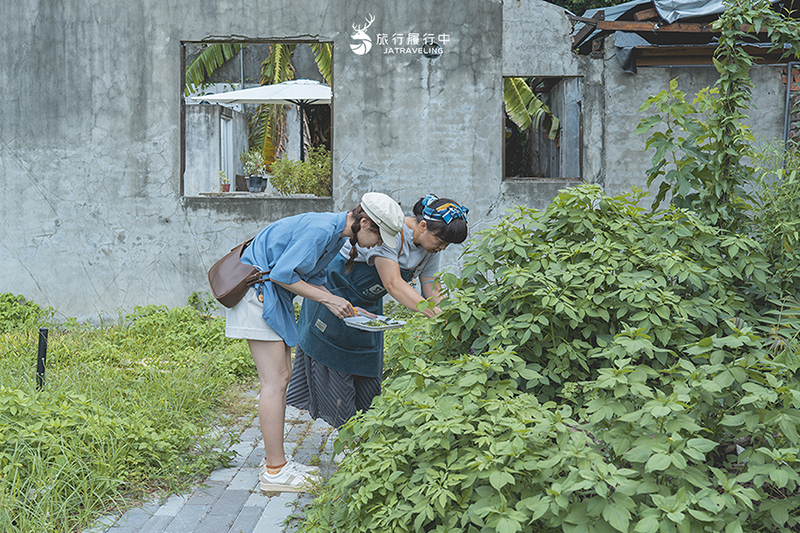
point(360, 322)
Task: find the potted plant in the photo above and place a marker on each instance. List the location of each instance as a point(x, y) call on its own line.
point(224, 182)
point(254, 168)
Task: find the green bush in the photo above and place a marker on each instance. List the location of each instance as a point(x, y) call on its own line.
point(16, 312)
point(312, 176)
point(558, 286)
point(596, 368)
point(775, 222)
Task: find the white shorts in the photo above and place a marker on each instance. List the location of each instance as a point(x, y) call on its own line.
point(244, 320)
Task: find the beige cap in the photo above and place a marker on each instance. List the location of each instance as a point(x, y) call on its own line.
point(386, 213)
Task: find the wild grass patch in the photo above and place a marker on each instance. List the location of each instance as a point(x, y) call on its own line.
point(128, 410)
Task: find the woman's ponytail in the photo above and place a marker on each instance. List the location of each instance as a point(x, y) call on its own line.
point(358, 214)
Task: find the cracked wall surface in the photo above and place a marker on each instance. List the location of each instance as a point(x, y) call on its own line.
point(92, 221)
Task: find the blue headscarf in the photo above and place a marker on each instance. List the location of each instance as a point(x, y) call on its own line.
point(445, 212)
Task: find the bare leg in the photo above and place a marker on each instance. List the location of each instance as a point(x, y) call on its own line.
point(273, 361)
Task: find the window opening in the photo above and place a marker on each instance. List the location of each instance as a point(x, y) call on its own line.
point(548, 143)
point(240, 139)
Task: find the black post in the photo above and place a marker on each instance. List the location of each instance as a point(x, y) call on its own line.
point(302, 132)
point(42, 359)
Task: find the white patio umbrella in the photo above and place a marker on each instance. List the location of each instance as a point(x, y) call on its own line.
point(301, 93)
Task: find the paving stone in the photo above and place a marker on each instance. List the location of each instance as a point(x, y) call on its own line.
point(242, 451)
point(275, 513)
point(318, 438)
point(306, 456)
point(102, 524)
point(251, 434)
point(222, 474)
point(172, 505)
point(254, 459)
point(292, 413)
point(207, 493)
point(230, 503)
point(215, 523)
point(245, 479)
point(292, 432)
point(187, 519)
point(135, 518)
point(119, 528)
point(258, 499)
point(225, 512)
point(319, 424)
point(156, 524)
point(247, 520)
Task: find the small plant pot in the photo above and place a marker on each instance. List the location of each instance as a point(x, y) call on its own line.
point(226, 187)
point(256, 183)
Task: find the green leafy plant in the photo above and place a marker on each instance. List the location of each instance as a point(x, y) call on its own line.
point(776, 197)
point(16, 312)
point(253, 162)
point(525, 109)
point(203, 302)
point(312, 176)
point(596, 367)
point(702, 149)
point(555, 285)
point(212, 57)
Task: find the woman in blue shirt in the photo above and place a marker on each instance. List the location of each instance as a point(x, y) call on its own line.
point(296, 251)
point(337, 369)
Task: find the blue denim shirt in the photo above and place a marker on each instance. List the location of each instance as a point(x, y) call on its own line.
point(292, 249)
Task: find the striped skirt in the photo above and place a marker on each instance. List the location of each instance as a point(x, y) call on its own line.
point(327, 394)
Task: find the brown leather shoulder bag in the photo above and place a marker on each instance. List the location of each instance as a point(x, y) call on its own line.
point(230, 278)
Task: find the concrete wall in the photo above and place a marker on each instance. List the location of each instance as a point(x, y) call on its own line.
point(203, 147)
point(92, 220)
point(621, 154)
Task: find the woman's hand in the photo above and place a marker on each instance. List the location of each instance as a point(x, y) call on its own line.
point(338, 306)
point(364, 312)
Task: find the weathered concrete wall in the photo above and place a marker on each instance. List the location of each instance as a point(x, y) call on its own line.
point(91, 214)
point(623, 158)
point(92, 220)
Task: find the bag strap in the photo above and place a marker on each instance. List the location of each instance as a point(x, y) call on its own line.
point(257, 277)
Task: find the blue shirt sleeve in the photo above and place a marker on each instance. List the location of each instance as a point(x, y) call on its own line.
point(300, 257)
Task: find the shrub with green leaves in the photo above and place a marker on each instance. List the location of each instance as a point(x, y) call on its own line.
point(557, 286)
point(775, 221)
point(16, 312)
point(596, 368)
point(312, 176)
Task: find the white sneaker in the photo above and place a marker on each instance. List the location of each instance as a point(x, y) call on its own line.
point(289, 479)
point(305, 468)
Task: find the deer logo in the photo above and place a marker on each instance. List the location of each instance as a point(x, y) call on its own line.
point(364, 42)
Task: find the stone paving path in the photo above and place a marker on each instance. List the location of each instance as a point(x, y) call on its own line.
point(229, 500)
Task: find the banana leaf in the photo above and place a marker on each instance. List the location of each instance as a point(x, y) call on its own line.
point(269, 122)
point(525, 109)
point(323, 55)
point(210, 59)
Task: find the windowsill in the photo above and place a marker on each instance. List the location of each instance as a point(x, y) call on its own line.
point(519, 179)
point(263, 195)
point(257, 207)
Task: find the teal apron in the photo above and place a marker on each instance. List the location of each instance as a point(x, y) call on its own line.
point(325, 337)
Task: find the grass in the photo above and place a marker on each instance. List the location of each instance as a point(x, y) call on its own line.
point(128, 411)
